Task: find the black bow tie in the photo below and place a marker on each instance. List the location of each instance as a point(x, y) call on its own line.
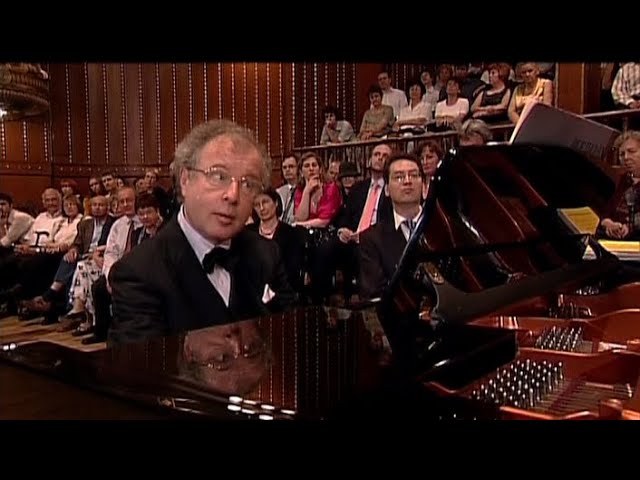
point(217, 256)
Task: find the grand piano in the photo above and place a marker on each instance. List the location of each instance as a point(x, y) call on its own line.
point(493, 313)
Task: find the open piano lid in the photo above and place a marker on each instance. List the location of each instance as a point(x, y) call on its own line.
point(479, 190)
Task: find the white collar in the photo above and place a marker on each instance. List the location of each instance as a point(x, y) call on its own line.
point(398, 219)
point(201, 246)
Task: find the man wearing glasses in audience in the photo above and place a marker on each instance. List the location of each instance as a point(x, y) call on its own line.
point(382, 244)
point(203, 268)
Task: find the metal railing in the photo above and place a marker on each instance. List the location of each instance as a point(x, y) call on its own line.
point(359, 151)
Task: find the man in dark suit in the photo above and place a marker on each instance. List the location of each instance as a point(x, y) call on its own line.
point(365, 205)
point(203, 268)
point(382, 245)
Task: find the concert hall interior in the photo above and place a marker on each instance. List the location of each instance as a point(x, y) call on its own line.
point(295, 241)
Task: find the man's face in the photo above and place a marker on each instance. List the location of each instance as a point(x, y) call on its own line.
point(290, 170)
point(332, 173)
point(109, 183)
point(384, 82)
point(99, 206)
point(217, 209)
point(229, 358)
point(405, 183)
point(629, 154)
point(379, 157)
point(126, 202)
point(5, 208)
point(151, 179)
point(51, 202)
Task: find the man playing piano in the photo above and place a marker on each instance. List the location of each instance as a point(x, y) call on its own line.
point(203, 268)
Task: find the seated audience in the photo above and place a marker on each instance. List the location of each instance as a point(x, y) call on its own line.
point(622, 220)
point(268, 206)
point(492, 103)
point(378, 120)
point(335, 129)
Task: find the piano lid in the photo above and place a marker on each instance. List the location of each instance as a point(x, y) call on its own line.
point(492, 233)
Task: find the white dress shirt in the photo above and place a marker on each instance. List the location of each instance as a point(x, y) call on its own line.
point(399, 221)
point(45, 223)
point(219, 278)
point(17, 226)
point(117, 241)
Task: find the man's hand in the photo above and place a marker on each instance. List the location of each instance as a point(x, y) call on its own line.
point(345, 235)
point(71, 256)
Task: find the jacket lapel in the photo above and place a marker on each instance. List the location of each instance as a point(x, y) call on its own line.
point(395, 242)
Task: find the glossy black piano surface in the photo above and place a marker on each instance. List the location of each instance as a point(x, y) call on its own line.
point(311, 363)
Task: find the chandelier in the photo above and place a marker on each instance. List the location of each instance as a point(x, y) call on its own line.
point(24, 91)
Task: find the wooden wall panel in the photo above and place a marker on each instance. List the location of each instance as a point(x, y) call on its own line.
point(77, 114)
point(97, 116)
point(14, 140)
point(183, 101)
point(166, 96)
point(129, 116)
point(150, 115)
point(132, 131)
point(116, 123)
point(198, 88)
point(58, 113)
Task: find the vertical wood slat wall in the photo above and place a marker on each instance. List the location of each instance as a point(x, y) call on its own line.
point(129, 116)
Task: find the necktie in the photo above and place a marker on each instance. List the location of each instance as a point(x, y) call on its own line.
point(217, 256)
point(286, 216)
point(127, 244)
point(411, 225)
point(367, 212)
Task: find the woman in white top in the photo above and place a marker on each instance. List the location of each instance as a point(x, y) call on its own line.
point(451, 112)
point(67, 228)
point(417, 114)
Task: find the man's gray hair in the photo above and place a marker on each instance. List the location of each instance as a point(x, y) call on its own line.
point(476, 127)
point(190, 148)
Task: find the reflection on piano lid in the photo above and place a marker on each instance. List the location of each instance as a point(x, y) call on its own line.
point(301, 364)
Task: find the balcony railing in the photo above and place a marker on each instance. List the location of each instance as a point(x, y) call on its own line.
point(359, 151)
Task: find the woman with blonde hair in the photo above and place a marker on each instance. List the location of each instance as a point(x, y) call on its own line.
point(532, 89)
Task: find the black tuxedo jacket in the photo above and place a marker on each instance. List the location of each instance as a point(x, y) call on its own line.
point(160, 287)
point(380, 249)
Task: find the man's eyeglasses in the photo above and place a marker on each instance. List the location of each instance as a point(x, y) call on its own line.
point(218, 178)
point(400, 177)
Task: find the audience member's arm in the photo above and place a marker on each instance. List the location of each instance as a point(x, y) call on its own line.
point(113, 250)
point(547, 93)
point(513, 115)
point(17, 230)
